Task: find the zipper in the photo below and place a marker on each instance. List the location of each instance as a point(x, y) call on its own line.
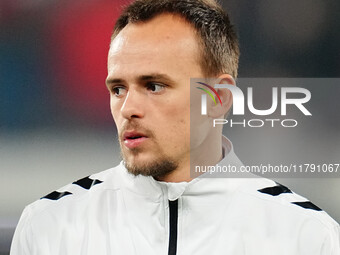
point(173, 222)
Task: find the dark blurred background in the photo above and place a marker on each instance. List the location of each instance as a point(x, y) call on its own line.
point(55, 122)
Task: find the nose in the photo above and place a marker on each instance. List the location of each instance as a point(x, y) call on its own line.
point(133, 105)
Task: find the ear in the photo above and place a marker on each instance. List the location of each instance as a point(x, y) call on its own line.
point(218, 110)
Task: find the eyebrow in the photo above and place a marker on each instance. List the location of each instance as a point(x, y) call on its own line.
point(143, 78)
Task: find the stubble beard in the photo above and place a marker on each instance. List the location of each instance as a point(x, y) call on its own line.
point(157, 168)
point(160, 166)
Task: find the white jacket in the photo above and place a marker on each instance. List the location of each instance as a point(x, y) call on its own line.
point(113, 212)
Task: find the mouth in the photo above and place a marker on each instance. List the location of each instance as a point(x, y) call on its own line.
point(133, 139)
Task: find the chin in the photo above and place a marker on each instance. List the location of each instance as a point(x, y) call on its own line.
point(152, 167)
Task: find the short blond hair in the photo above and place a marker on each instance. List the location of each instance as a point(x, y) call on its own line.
point(218, 40)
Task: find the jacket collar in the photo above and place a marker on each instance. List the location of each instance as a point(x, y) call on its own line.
point(208, 182)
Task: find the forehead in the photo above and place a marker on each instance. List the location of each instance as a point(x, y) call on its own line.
point(167, 40)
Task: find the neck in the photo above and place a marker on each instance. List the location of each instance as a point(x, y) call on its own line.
point(207, 153)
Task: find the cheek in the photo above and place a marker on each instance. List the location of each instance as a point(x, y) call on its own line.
point(177, 123)
point(115, 110)
point(112, 105)
point(178, 113)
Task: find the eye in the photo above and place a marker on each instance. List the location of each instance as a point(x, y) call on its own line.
point(155, 87)
point(118, 91)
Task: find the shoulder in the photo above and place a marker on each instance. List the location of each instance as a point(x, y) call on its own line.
point(66, 208)
point(78, 193)
point(266, 210)
point(279, 201)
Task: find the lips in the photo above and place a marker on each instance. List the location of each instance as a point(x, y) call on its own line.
point(133, 139)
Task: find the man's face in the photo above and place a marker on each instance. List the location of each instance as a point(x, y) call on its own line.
point(149, 69)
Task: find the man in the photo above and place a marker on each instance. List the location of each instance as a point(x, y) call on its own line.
point(150, 204)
